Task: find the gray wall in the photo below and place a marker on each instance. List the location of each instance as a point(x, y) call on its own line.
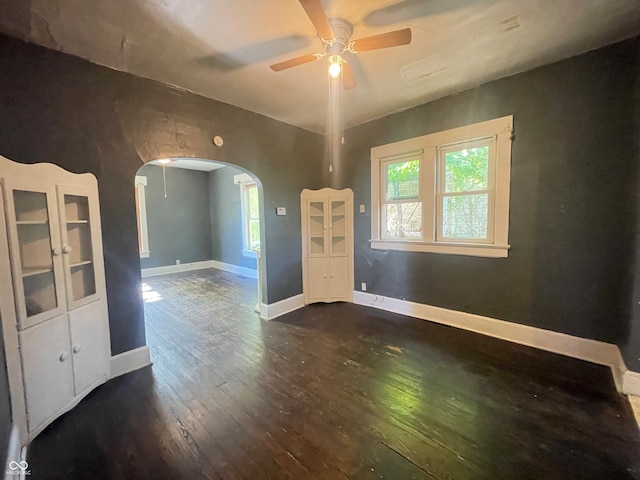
point(179, 226)
point(573, 210)
point(226, 218)
point(631, 346)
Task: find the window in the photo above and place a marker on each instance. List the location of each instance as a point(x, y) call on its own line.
point(141, 215)
point(250, 202)
point(251, 217)
point(447, 192)
point(402, 203)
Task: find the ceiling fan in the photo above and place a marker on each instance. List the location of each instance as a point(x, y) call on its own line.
point(335, 34)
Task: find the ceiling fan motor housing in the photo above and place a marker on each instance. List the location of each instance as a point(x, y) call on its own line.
point(342, 31)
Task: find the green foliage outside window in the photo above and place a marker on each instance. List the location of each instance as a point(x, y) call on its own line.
point(403, 219)
point(253, 210)
point(466, 171)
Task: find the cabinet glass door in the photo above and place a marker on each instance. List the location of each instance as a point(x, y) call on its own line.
point(317, 210)
point(35, 252)
point(77, 215)
point(338, 227)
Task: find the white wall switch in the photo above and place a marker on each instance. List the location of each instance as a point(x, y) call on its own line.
point(361, 208)
point(281, 210)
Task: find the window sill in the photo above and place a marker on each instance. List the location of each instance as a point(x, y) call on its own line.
point(251, 253)
point(144, 254)
point(471, 249)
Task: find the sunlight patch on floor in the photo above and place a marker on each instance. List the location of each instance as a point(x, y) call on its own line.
point(149, 295)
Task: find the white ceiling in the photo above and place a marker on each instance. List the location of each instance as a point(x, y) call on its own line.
point(222, 49)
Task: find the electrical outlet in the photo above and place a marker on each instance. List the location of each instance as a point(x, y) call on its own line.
point(363, 287)
point(177, 262)
point(361, 208)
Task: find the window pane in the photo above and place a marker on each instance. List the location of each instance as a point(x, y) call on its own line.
point(402, 180)
point(467, 170)
point(404, 220)
point(465, 216)
point(252, 194)
point(254, 234)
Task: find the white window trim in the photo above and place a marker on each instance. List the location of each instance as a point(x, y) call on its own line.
point(245, 181)
point(501, 129)
point(141, 183)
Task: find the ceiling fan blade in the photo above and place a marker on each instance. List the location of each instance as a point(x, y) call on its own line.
point(316, 14)
point(348, 79)
point(294, 62)
point(384, 40)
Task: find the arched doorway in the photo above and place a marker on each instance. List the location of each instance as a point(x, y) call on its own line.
point(198, 213)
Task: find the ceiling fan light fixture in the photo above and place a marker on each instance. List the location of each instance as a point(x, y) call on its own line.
point(334, 65)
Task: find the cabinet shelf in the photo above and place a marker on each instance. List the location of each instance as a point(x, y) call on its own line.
point(32, 222)
point(80, 264)
point(30, 272)
point(77, 222)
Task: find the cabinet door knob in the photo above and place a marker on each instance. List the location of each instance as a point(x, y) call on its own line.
point(76, 348)
point(64, 356)
point(66, 249)
point(55, 252)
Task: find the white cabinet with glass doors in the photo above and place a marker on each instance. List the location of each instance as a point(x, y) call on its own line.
point(327, 248)
point(54, 240)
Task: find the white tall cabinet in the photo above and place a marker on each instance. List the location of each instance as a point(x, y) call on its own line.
point(327, 245)
point(53, 308)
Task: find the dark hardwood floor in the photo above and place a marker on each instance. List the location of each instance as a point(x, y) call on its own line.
point(334, 392)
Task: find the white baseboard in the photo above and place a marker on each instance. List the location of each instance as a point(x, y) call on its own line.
point(227, 267)
point(129, 361)
point(16, 466)
point(274, 310)
point(631, 383)
point(187, 267)
point(582, 348)
point(183, 267)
